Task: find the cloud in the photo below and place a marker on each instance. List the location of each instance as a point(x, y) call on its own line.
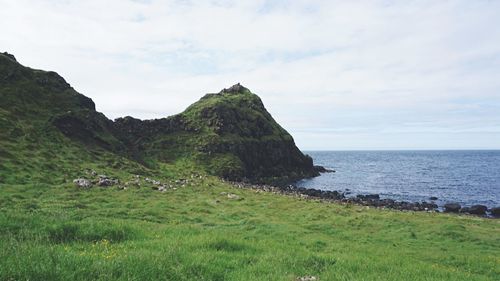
point(356, 68)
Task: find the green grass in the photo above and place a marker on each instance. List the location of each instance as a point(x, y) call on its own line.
point(58, 232)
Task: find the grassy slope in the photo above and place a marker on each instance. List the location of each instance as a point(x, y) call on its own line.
point(195, 233)
point(31, 148)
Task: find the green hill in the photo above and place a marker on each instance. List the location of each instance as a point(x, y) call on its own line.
point(49, 131)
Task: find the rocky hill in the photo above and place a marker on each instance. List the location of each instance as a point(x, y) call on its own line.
point(45, 125)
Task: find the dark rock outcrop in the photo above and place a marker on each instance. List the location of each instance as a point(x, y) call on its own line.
point(452, 207)
point(11, 56)
point(477, 210)
point(495, 212)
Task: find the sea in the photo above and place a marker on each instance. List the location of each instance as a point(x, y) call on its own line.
point(468, 177)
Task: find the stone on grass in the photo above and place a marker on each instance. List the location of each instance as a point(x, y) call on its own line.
point(83, 183)
point(234, 197)
point(307, 278)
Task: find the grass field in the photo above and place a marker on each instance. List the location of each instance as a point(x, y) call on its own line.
point(59, 232)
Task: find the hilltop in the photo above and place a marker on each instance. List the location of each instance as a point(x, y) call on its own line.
point(47, 126)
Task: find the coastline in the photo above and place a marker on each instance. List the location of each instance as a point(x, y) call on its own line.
point(371, 200)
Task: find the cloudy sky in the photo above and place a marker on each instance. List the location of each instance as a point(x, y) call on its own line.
point(336, 74)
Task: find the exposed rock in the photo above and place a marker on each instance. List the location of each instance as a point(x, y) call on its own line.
point(105, 181)
point(452, 207)
point(237, 88)
point(478, 209)
point(321, 169)
point(495, 211)
point(152, 181)
point(465, 210)
point(307, 278)
point(369, 196)
point(83, 183)
point(433, 198)
point(11, 56)
point(234, 197)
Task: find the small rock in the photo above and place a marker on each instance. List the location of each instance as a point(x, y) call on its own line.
point(465, 210)
point(433, 198)
point(307, 278)
point(105, 181)
point(495, 211)
point(83, 183)
point(233, 197)
point(478, 209)
point(452, 207)
point(162, 188)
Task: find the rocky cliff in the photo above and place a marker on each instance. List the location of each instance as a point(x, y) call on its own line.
point(229, 134)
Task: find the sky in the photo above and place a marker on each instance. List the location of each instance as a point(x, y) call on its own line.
point(338, 75)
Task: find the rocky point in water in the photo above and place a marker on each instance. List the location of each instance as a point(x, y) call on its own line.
point(230, 133)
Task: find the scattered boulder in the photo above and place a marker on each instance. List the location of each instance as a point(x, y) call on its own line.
point(82, 183)
point(234, 197)
point(452, 207)
point(478, 210)
point(105, 181)
point(368, 197)
point(433, 198)
point(152, 181)
point(495, 211)
point(307, 278)
point(465, 210)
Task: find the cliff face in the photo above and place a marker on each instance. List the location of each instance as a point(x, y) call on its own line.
point(229, 134)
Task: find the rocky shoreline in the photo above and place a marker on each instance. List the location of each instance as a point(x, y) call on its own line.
point(373, 200)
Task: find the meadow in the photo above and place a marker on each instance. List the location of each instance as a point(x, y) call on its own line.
point(195, 231)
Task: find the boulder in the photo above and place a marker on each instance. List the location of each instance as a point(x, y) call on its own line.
point(465, 210)
point(433, 198)
point(321, 169)
point(368, 197)
point(82, 183)
point(452, 207)
point(105, 181)
point(234, 197)
point(307, 278)
point(495, 212)
point(478, 209)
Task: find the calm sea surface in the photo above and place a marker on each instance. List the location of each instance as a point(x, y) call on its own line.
point(468, 177)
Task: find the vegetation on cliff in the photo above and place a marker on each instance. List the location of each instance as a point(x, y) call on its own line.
point(229, 134)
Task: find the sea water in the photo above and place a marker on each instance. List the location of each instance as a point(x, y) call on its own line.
point(467, 177)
